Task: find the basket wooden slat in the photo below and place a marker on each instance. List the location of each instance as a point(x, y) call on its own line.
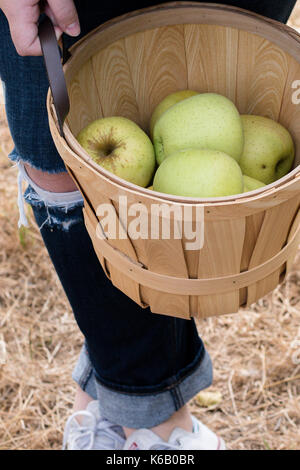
point(275, 227)
point(221, 255)
point(126, 67)
point(291, 257)
point(210, 51)
point(156, 60)
point(263, 70)
point(253, 227)
point(114, 84)
point(82, 99)
point(131, 288)
point(165, 256)
point(289, 112)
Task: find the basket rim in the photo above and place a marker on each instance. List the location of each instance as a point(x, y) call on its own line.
point(74, 147)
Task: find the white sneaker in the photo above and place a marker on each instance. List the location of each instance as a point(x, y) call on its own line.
point(202, 438)
point(93, 433)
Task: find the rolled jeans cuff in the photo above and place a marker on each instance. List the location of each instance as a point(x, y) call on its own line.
point(142, 410)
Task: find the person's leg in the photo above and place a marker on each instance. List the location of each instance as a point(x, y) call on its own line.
point(82, 399)
point(180, 419)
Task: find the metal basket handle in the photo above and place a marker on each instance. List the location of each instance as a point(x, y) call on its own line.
point(53, 63)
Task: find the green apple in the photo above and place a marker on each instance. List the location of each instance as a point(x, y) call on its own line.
point(120, 146)
point(166, 103)
point(250, 184)
point(268, 151)
point(199, 173)
point(206, 120)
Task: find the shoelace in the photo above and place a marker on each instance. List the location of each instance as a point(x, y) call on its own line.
point(85, 435)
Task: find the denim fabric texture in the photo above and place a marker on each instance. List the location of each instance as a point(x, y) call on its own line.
point(54, 216)
point(150, 408)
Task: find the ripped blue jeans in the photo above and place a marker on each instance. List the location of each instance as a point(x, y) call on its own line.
point(140, 366)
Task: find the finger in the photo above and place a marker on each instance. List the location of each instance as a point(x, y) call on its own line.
point(50, 14)
point(26, 40)
point(65, 15)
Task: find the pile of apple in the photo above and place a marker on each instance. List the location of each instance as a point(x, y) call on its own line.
point(200, 146)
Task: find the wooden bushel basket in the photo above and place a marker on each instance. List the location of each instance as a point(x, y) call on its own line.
point(126, 67)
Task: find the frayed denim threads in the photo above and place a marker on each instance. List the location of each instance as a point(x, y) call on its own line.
point(62, 217)
point(56, 205)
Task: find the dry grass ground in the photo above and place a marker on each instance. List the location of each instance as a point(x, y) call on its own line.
point(256, 354)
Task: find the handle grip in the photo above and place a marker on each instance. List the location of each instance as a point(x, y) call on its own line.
point(52, 58)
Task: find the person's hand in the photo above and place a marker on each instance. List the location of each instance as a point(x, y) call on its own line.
point(23, 16)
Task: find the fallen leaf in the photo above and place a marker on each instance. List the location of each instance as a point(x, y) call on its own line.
point(207, 399)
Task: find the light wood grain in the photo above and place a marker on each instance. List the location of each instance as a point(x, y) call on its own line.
point(294, 228)
point(164, 256)
point(253, 226)
point(194, 226)
point(272, 237)
point(211, 53)
point(221, 254)
point(114, 83)
point(173, 285)
point(157, 65)
point(178, 13)
point(262, 73)
point(211, 286)
point(84, 99)
point(290, 107)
